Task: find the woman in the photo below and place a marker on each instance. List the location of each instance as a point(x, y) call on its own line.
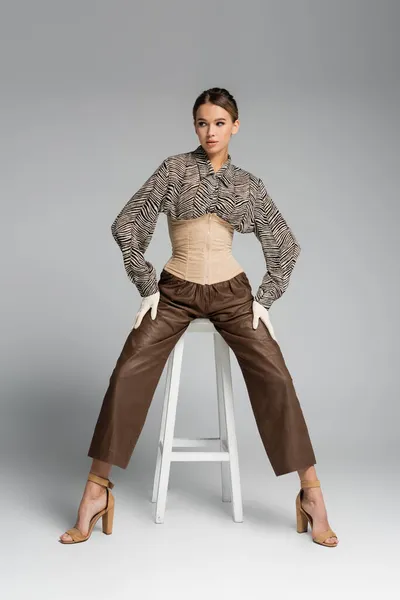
point(206, 198)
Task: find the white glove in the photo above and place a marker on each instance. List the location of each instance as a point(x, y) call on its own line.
point(260, 312)
point(149, 302)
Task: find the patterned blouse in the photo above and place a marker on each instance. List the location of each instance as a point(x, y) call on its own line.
point(185, 186)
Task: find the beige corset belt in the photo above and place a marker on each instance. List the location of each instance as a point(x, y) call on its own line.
point(201, 249)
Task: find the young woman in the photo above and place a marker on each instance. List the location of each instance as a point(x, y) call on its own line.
point(206, 198)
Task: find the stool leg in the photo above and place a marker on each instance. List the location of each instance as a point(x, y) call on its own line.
point(162, 427)
point(223, 352)
point(168, 433)
point(225, 476)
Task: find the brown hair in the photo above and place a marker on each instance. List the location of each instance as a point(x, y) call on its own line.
point(220, 97)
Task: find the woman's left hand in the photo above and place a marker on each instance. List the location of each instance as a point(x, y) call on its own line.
point(260, 312)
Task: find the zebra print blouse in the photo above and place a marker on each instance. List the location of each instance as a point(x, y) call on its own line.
point(185, 186)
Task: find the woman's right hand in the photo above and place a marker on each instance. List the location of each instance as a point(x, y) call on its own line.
point(148, 303)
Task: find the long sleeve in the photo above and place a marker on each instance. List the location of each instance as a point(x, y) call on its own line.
point(280, 247)
point(134, 226)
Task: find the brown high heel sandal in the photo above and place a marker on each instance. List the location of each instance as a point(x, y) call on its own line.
point(107, 513)
point(302, 517)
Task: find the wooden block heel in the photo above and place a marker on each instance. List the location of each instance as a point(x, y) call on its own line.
point(107, 514)
point(108, 519)
point(301, 519)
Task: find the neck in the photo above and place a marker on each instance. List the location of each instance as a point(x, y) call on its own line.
point(218, 159)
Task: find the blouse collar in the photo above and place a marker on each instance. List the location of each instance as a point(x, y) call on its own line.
point(225, 173)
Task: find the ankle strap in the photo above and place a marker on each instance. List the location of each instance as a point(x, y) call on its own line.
point(100, 480)
point(305, 483)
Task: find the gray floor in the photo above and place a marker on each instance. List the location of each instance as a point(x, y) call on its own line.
point(199, 552)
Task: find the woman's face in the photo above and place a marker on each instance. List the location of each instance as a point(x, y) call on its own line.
point(214, 124)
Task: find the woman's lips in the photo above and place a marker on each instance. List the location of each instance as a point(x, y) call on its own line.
point(212, 142)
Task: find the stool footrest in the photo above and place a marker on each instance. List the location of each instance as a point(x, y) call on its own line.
point(204, 442)
point(198, 455)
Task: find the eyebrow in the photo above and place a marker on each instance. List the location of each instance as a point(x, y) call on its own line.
point(220, 119)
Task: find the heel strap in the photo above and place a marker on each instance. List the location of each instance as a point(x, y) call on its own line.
point(100, 480)
point(306, 483)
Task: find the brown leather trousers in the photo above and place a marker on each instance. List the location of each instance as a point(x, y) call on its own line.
point(228, 305)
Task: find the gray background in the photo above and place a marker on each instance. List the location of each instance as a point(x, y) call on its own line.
point(94, 96)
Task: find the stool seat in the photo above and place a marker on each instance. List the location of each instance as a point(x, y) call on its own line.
point(222, 448)
point(201, 326)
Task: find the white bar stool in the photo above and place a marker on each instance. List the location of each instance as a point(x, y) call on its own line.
point(227, 454)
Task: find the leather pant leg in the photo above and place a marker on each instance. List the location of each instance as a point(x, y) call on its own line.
point(137, 372)
point(277, 411)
